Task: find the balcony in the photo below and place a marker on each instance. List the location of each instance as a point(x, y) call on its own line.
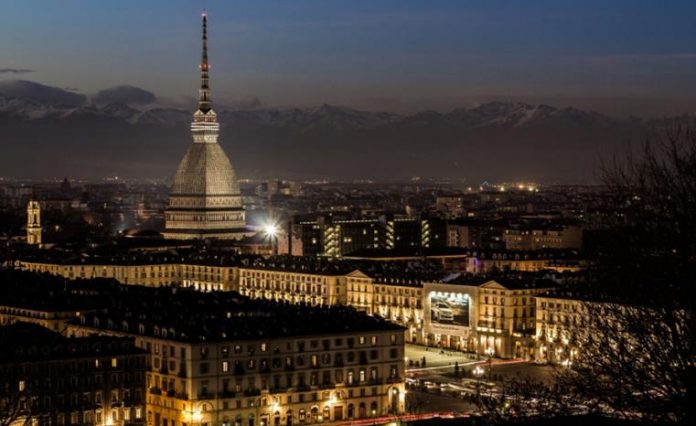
point(252, 392)
point(155, 391)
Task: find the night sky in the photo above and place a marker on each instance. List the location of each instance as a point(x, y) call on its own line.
point(617, 57)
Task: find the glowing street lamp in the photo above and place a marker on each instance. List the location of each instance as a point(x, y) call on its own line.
point(490, 352)
point(271, 232)
point(478, 373)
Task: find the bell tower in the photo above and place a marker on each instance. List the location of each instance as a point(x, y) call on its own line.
point(33, 222)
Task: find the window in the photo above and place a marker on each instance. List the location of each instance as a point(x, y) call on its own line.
point(22, 385)
point(225, 366)
point(114, 362)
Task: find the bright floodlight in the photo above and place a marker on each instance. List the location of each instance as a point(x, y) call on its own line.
point(270, 230)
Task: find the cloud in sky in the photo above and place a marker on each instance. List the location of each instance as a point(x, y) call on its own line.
point(124, 94)
point(48, 94)
point(15, 70)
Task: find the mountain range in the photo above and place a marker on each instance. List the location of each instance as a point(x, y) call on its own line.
point(51, 132)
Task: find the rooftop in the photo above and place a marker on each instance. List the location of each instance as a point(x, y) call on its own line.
point(107, 255)
point(192, 316)
point(25, 342)
point(185, 314)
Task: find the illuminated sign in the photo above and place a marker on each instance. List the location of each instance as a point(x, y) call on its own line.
point(449, 308)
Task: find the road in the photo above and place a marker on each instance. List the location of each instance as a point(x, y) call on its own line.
point(435, 388)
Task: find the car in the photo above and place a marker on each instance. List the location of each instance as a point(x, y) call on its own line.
point(441, 311)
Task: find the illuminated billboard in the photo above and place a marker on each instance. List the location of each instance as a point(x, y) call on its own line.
point(449, 308)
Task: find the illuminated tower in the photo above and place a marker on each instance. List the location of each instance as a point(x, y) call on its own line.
point(205, 201)
point(33, 222)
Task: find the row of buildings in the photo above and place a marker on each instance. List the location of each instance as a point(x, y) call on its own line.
point(473, 311)
point(192, 357)
point(339, 235)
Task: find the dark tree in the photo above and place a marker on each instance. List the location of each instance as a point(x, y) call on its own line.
point(636, 337)
point(634, 331)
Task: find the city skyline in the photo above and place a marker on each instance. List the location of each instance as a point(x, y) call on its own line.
point(384, 213)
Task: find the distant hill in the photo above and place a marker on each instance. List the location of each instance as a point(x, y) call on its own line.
point(49, 133)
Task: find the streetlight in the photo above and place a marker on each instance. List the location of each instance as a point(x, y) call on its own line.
point(490, 352)
point(478, 373)
point(374, 413)
point(271, 232)
point(194, 416)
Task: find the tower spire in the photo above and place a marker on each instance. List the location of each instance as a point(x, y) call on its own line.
point(204, 91)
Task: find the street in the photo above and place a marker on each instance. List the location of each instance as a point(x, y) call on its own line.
point(437, 387)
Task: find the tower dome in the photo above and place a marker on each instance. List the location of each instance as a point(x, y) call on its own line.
point(205, 201)
point(205, 170)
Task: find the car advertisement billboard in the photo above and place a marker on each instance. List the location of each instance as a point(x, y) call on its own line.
point(449, 308)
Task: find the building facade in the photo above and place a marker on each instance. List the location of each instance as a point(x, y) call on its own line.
point(538, 238)
point(337, 237)
point(284, 371)
point(53, 380)
point(558, 320)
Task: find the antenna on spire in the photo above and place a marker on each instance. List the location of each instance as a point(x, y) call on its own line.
point(204, 92)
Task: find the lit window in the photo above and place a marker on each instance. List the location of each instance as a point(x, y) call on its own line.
point(22, 385)
point(225, 366)
point(114, 362)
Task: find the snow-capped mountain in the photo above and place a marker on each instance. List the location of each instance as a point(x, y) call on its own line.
point(33, 101)
point(501, 140)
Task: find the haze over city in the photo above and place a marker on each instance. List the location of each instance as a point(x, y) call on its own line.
point(433, 67)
